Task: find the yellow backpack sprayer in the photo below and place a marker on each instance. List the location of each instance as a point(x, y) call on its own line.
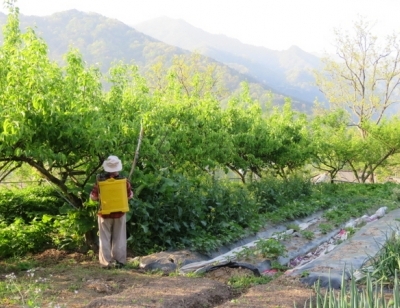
point(113, 190)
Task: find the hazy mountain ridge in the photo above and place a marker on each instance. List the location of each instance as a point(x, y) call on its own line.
point(103, 40)
point(287, 71)
point(100, 39)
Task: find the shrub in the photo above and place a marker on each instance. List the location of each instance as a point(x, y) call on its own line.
point(201, 213)
point(272, 193)
point(35, 218)
point(18, 238)
point(28, 203)
point(70, 229)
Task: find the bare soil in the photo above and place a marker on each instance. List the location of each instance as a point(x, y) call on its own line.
point(76, 280)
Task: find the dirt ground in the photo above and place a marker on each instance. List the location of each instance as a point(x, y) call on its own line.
point(76, 280)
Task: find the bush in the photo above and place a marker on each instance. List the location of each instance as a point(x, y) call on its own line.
point(203, 214)
point(70, 229)
point(28, 203)
point(37, 218)
point(18, 238)
point(272, 193)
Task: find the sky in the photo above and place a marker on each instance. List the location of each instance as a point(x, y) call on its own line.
point(274, 24)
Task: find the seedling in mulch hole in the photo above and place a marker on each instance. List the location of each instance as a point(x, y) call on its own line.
point(270, 248)
point(350, 231)
point(293, 227)
point(305, 274)
point(246, 254)
point(276, 265)
point(307, 234)
point(264, 248)
point(325, 228)
point(281, 236)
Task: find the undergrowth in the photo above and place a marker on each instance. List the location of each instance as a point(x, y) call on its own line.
point(176, 213)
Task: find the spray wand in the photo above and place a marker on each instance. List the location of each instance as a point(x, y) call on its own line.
point(136, 152)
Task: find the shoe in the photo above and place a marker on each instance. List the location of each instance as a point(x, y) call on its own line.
point(108, 266)
point(113, 264)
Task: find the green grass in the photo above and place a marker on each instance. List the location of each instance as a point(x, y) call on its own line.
point(246, 281)
point(25, 289)
point(352, 295)
point(373, 290)
point(17, 264)
point(340, 202)
point(386, 263)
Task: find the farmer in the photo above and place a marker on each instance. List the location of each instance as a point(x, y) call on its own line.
point(112, 226)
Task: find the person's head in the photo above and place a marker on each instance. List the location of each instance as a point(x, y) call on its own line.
point(112, 165)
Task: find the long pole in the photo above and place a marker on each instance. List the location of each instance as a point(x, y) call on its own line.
point(137, 151)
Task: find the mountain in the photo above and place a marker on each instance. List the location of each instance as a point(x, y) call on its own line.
point(288, 72)
point(100, 40)
point(103, 41)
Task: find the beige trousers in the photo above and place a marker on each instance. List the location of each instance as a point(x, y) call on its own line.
point(112, 233)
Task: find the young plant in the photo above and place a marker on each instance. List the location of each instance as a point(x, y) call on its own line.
point(281, 236)
point(293, 226)
point(246, 254)
point(387, 262)
point(350, 231)
point(264, 248)
point(309, 235)
point(325, 227)
point(246, 281)
point(135, 264)
point(270, 248)
point(350, 295)
point(276, 265)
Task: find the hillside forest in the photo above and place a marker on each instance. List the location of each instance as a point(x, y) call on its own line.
point(211, 165)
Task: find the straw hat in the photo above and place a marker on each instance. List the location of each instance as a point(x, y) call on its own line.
point(112, 164)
